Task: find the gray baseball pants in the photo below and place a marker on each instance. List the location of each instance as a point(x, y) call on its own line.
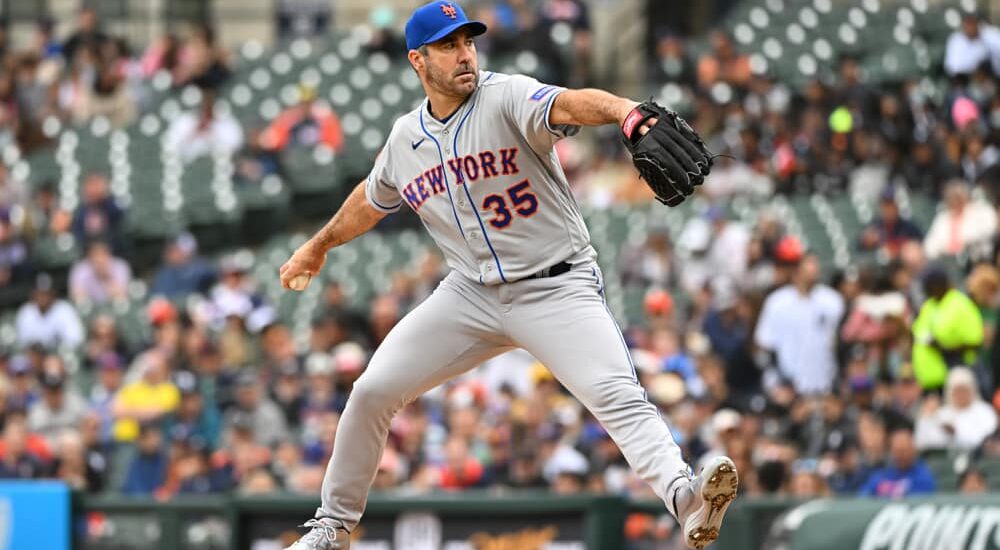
point(562, 321)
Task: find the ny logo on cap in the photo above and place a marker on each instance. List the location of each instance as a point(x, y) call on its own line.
point(449, 10)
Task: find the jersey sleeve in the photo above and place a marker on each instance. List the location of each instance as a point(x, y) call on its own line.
point(380, 190)
point(527, 103)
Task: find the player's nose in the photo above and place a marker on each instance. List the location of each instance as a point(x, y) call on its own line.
point(466, 54)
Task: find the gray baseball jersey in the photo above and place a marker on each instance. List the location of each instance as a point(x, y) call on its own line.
point(486, 182)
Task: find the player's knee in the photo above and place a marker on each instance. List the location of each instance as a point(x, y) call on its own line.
point(374, 397)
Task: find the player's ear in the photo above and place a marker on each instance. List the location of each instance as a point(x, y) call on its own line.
point(416, 60)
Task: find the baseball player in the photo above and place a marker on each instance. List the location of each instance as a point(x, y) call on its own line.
point(476, 162)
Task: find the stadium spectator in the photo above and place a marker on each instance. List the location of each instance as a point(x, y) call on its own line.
point(60, 409)
point(148, 469)
point(806, 481)
point(727, 254)
point(277, 348)
point(103, 341)
point(17, 460)
point(99, 216)
point(904, 475)
point(9, 117)
point(98, 449)
point(15, 266)
point(798, 324)
point(108, 97)
point(673, 64)
point(979, 153)
point(890, 230)
point(45, 45)
point(732, 177)
point(43, 216)
point(202, 62)
point(33, 101)
point(305, 18)
point(162, 55)
point(975, 43)
point(48, 320)
point(964, 421)
point(288, 391)
point(385, 313)
point(71, 465)
point(854, 96)
point(972, 481)
point(728, 326)
point(964, 226)
point(857, 462)
point(13, 192)
point(254, 162)
point(983, 286)
point(198, 421)
point(22, 391)
point(946, 332)
point(575, 15)
point(267, 421)
point(183, 272)
point(110, 378)
point(209, 131)
point(87, 35)
point(461, 470)
point(924, 169)
point(240, 453)
point(147, 399)
point(99, 277)
point(384, 36)
point(723, 63)
point(306, 124)
point(189, 472)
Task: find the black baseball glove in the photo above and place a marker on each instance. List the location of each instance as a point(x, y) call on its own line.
point(671, 157)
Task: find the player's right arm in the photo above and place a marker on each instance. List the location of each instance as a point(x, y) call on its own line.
point(355, 217)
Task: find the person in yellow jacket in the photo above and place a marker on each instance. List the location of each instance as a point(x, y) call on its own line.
point(144, 400)
point(948, 331)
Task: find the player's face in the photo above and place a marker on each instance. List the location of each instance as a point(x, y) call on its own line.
point(451, 66)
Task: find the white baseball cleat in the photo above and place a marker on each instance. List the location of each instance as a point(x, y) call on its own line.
point(323, 535)
point(701, 504)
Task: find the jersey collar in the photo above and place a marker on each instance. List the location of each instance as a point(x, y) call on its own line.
point(433, 123)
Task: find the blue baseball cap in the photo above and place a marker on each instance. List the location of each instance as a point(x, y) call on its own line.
point(434, 21)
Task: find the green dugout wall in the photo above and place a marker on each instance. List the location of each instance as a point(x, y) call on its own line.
point(526, 521)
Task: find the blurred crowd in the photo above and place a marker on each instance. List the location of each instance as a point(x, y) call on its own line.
point(816, 380)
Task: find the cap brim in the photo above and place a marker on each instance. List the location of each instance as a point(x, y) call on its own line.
point(476, 27)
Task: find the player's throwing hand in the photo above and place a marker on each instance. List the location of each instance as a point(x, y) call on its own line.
point(305, 263)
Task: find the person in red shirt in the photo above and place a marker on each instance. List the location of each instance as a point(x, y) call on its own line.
point(461, 470)
point(306, 123)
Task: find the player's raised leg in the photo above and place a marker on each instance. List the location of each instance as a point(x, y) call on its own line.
point(450, 332)
point(563, 321)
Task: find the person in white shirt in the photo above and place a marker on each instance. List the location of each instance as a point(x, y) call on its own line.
point(963, 422)
point(714, 247)
point(973, 44)
point(963, 226)
point(798, 324)
point(99, 277)
point(192, 135)
point(47, 320)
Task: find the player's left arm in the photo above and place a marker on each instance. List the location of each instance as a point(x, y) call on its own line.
point(589, 107)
